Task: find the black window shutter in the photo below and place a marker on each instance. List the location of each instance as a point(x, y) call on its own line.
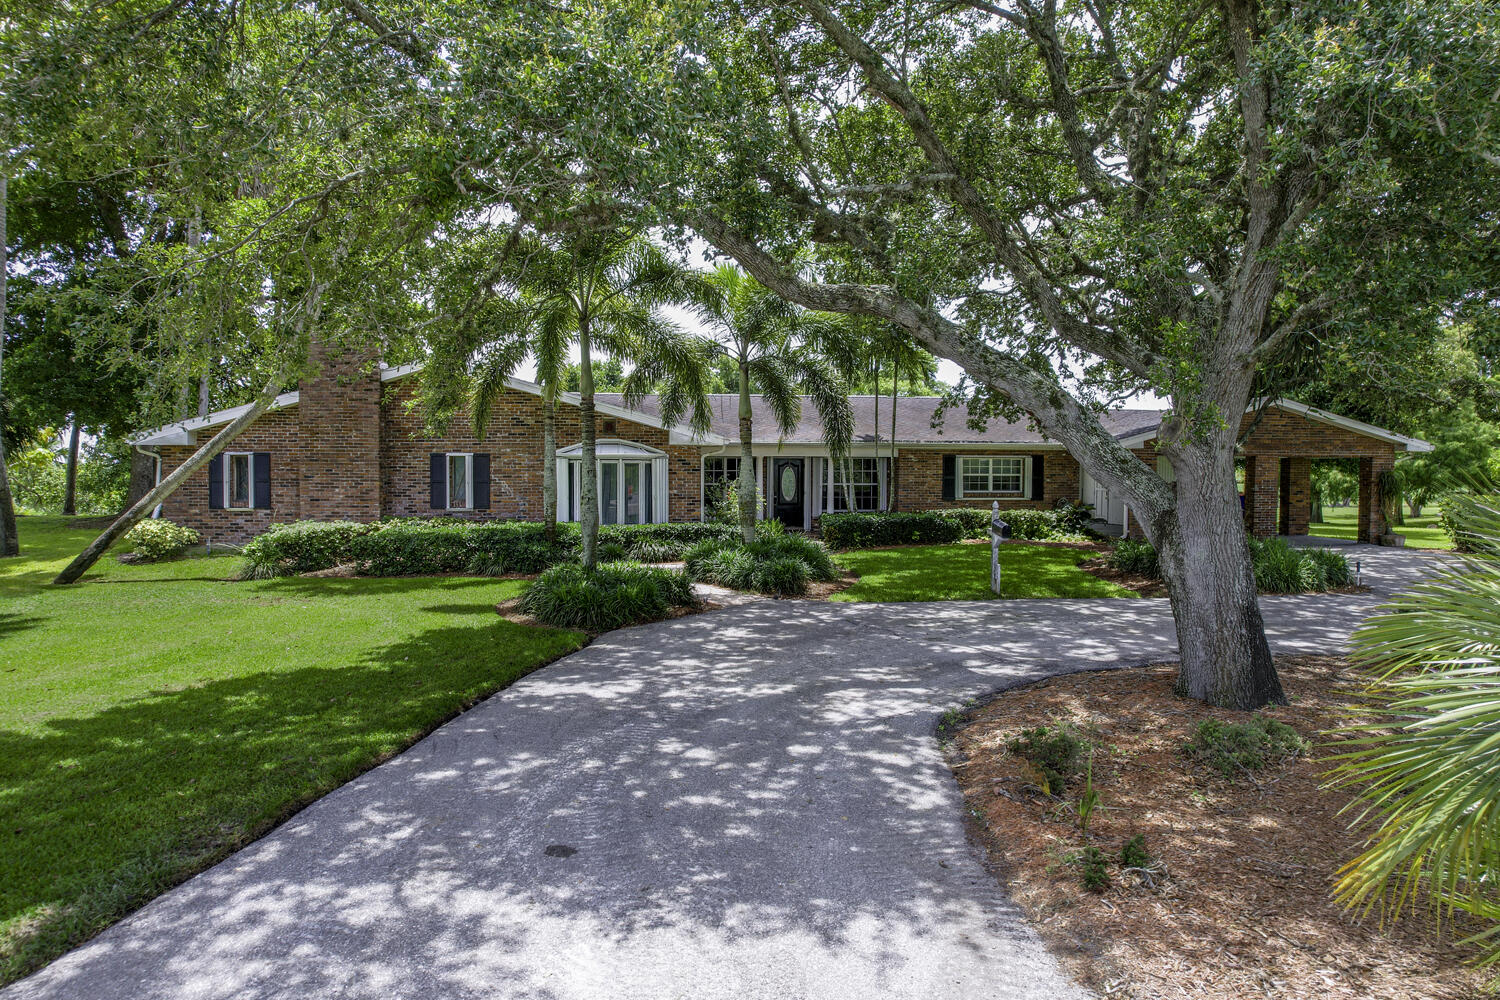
point(216, 482)
point(949, 464)
point(1038, 477)
point(439, 481)
point(262, 462)
point(481, 482)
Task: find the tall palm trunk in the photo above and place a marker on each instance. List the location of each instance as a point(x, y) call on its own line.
point(588, 514)
point(70, 479)
point(747, 459)
point(890, 473)
point(877, 426)
point(10, 544)
point(549, 457)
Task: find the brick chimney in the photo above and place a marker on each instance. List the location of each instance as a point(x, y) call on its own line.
point(338, 414)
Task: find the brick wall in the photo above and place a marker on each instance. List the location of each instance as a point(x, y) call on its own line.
point(919, 473)
point(276, 433)
point(339, 420)
point(513, 441)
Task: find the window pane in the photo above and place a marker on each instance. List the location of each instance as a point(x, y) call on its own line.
point(458, 481)
point(609, 492)
point(632, 493)
point(1007, 477)
point(239, 480)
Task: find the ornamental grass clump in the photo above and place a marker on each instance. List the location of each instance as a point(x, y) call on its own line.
point(777, 564)
point(609, 596)
point(1425, 759)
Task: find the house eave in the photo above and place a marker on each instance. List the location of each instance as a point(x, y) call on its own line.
point(1135, 439)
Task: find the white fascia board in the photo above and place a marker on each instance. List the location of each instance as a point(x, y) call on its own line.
point(1410, 444)
point(183, 432)
point(1026, 447)
point(1349, 424)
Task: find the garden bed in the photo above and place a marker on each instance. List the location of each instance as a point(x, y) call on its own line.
point(1238, 903)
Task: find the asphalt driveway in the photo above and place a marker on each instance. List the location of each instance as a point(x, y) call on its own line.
point(742, 804)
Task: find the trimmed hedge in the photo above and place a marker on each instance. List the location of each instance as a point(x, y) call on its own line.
point(611, 596)
point(417, 546)
point(863, 531)
point(157, 538)
point(303, 547)
point(774, 564)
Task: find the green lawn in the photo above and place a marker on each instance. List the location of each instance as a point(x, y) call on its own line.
point(154, 718)
point(962, 573)
point(1421, 532)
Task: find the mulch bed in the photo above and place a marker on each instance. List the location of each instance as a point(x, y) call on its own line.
point(1240, 904)
point(1144, 585)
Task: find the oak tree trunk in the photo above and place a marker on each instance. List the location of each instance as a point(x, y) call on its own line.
point(1205, 559)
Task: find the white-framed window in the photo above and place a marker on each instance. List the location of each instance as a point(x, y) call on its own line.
point(626, 491)
point(460, 480)
point(239, 480)
point(718, 472)
point(993, 474)
point(864, 485)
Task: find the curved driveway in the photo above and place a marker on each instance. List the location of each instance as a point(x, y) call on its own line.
point(742, 804)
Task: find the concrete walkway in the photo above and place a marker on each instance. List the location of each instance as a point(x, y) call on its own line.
point(743, 804)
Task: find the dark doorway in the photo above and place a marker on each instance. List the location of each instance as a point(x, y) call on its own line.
point(786, 502)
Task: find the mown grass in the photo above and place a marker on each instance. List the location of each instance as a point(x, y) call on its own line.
point(154, 718)
point(1421, 532)
point(962, 573)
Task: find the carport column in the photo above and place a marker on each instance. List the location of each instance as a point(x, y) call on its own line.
point(1296, 495)
point(1371, 516)
point(1262, 473)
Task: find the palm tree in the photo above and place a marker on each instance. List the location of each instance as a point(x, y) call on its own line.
point(767, 339)
point(1426, 764)
point(603, 290)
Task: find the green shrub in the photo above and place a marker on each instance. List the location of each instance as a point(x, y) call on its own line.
point(777, 564)
point(1057, 751)
point(1133, 854)
point(302, 547)
point(156, 538)
point(1095, 869)
point(415, 548)
point(610, 552)
point(1332, 567)
point(1135, 555)
point(1230, 747)
point(1279, 568)
point(610, 596)
point(863, 531)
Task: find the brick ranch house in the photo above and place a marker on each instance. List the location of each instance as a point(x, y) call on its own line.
point(349, 444)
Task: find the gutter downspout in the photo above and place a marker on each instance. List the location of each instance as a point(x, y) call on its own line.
point(156, 479)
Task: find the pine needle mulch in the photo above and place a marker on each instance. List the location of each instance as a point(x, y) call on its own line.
point(1237, 900)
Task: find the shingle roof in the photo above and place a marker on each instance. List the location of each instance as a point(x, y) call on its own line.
point(914, 421)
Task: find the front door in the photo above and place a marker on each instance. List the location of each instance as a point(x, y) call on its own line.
point(786, 502)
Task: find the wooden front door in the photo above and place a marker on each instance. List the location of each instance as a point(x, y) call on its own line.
point(787, 486)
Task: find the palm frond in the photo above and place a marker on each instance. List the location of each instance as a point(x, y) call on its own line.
point(1425, 764)
point(773, 376)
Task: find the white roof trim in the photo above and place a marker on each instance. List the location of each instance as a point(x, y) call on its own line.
point(612, 448)
point(183, 431)
point(1410, 444)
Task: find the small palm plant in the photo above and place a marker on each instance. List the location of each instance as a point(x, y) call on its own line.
point(768, 339)
point(1426, 765)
